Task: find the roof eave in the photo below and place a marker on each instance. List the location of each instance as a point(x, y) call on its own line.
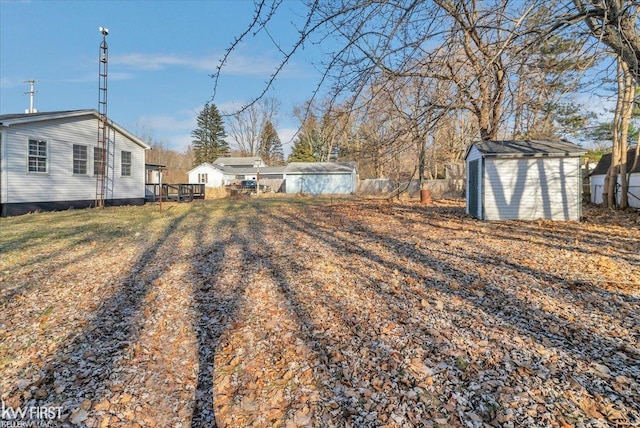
point(533, 155)
point(75, 113)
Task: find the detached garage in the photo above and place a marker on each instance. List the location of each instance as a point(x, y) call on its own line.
point(321, 178)
point(527, 180)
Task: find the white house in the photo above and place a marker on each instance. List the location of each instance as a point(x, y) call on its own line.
point(524, 180)
point(207, 174)
point(599, 173)
point(228, 170)
point(49, 161)
point(319, 178)
point(240, 162)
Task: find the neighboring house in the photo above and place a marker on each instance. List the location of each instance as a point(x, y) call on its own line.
point(49, 161)
point(319, 178)
point(239, 162)
point(207, 174)
point(524, 180)
point(599, 173)
point(224, 171)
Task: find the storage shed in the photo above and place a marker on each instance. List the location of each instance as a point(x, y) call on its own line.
point(49, 161)
point(321, 178)
point(598, 175)
point(531, 179)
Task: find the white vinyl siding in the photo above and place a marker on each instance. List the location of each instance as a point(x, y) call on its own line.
point(597, 188)
point(80, 159)
point(37, 160)
point(532, 188)
point(60, 184)
point(206, 174)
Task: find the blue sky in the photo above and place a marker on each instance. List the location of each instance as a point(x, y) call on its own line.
point(161, 54)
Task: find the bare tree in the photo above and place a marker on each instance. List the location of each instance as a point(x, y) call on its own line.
point(464, 41)
point(246, 126)
point(616, 23)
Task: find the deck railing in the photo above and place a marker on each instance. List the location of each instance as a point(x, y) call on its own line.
point(174, 192)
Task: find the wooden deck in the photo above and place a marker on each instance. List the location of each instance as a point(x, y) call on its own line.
point(174, 192)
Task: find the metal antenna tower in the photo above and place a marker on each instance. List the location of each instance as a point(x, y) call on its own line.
point(31, 92)
point(103, 131)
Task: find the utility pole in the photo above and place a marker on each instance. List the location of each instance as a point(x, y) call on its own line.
point(31, 92)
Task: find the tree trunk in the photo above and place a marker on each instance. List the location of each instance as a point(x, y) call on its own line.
point(622, 118)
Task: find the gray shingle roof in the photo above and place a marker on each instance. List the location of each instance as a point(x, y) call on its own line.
point(20, 118)
point(237, 161)
point(525, 148)
point(41, 115)
point(605, 161)
point(321, 167)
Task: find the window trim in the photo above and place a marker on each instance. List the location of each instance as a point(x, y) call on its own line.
point(37, 156)
point(128, 164)
point(74, 159)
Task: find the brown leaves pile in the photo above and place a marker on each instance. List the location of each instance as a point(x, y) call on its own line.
point(294, 312)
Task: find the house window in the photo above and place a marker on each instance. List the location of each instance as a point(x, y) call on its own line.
point(99, 159)
point(37, 156)
point(125, 164)
point(79, 159)
point(203, 178)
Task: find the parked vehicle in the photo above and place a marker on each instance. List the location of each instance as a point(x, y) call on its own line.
point(251, 185)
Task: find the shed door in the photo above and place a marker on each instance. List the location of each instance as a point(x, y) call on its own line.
point(473, 188)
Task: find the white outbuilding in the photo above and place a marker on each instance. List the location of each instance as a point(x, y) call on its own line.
point(598, 175)
point(526, 180)
point(50, 160)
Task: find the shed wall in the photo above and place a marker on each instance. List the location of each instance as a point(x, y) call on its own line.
point(532, 188)
point(215, 177)
point(59, 183)
point(597, 187)
point(320, 184)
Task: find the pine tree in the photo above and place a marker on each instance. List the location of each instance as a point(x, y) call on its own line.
point(208, 138)
point(271, 146)
point(302, 151)
point(308, 143)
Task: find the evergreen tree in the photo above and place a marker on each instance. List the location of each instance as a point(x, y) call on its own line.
point(271, 146)
point(208, 138)
point(301, 151)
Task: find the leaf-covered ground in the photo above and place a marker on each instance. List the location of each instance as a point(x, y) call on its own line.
point(305, 312)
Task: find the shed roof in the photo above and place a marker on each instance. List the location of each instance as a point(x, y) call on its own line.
point(266, 170)
point(321, 168)
point(605, 161)
point(20, 118)
point(528, 148)
point(237, 161)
